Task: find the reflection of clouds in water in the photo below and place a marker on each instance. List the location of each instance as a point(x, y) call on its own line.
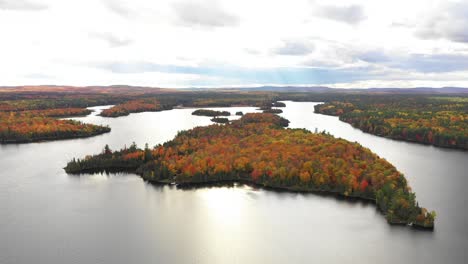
point(241, 224)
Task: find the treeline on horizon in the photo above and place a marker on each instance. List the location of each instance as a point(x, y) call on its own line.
point(438, 120)
point(31, 115)
point(257, 149)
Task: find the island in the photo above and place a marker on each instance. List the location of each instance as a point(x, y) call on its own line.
point(267, 107)
point(273, 111)
point(278, 104)
point(212, 113)
point(133, 106)
point(257, 149)
point(220, 120)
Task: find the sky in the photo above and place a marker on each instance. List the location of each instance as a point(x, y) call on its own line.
point(226, 43)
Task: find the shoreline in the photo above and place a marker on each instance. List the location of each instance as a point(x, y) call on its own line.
point(336, 194)
point(396, 139)
point(49, 139)
point(222, 183)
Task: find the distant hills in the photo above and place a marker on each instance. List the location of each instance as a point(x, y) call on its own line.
point(111, 89)
point(323, 89)
point(126, 89)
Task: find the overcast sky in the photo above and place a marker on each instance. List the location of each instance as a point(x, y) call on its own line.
point(186, 43)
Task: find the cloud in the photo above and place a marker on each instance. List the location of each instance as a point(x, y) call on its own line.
point(111, 39)
point(233, 42)
point(435, 62)
point(118, 8)
point(352, 14)
point(373, 56)
point(207, 13)
point(38, 76)
point(244, 75)
point(399, 24)
point(448, 22)
point(295, 48)
point(252, 51)
point(424, 63)
point(24, 5)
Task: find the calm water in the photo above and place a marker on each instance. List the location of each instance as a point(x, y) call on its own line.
point(47, 216)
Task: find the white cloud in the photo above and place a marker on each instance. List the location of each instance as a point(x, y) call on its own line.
point(295, 48)
point(352, 14)
point(24, 5)
point(448, 21)
point(118, 7)
point(111, 39)
point(204, 13)
point(222, 42)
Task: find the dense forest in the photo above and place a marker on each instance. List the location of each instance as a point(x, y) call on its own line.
point(133, 106)
point(29, 113)
point(29, 126)
point(424, 118)
point(258, 149)
point(439, 121)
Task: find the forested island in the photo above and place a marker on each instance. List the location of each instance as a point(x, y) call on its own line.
point(133, 106)
point(257, 149)
point(220, 120)
point(272, 110)
point(268, 107)
point(212, 113)
point(438, 121)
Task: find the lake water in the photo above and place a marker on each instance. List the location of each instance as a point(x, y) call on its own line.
point(47, 216)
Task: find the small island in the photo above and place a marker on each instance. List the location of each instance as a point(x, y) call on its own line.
point(267, 107)
point(273, 111)
point(212, 113)
point(257, 149)
point(220, 120)
point(133, 106)
point(278, 104)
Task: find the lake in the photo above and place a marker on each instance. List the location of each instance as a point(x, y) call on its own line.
point(47, 216)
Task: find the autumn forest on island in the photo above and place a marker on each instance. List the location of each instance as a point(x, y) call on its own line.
point(257, 149)
point(250, 148)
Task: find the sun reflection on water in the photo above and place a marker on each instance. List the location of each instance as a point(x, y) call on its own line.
point(225, 204)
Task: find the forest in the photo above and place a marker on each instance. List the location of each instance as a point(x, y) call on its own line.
point(438, 121)
point(29, 113)
point(133, 106)
point(38, 125)
point(258, 149)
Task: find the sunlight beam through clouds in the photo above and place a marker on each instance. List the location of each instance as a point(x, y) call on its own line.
point(186, 43)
